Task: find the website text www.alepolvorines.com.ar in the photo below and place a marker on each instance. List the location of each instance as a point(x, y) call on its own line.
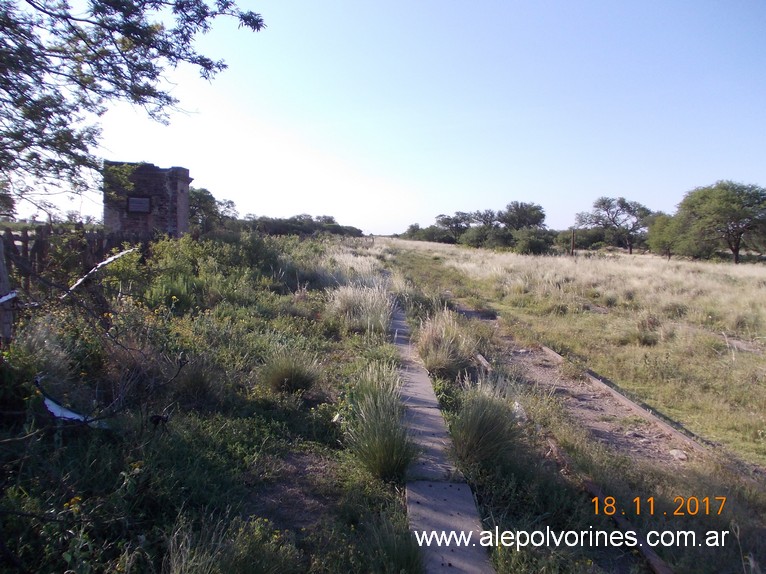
point(520, 539)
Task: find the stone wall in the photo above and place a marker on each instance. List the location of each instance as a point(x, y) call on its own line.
point(143, 199)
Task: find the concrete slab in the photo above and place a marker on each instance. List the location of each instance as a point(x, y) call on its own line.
point(428, 431)
point(447, 507)
point(438, 499)
point(415, 393)
point(401, 331)
point(427, 425)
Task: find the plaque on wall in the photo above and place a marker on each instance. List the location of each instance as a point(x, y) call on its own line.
point(139, 204)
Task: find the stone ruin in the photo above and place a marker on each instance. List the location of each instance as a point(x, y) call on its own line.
point(141, 199)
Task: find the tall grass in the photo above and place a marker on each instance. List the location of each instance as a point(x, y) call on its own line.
point(444, 345)
point(290, 371)
point(199, 363)
point(393, 547)
point(376, 434)
point(687, 338)
point(222, 547)
point(484, 430)
point(362, 308)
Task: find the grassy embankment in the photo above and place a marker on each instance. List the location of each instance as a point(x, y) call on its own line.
point(222, 367)
point(672, 334)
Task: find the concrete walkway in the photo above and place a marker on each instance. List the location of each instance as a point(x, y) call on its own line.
point(438, 499)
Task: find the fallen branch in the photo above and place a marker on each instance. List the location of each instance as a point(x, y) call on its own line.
point(104, 263)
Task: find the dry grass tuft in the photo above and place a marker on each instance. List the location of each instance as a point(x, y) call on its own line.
point(362, 308)
point(444, 345)
point(290, 371)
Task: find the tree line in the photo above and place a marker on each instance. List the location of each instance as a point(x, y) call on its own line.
point(520, 226)
point(207, 215)
point(724, 217)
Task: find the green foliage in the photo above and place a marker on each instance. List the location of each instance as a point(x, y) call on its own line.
point(475, 236)
point(179, 293)
point(455, 225)
point(532, 241)
point(494, 230)
point(432, 233)
point(587, 238)
point(623, 221)
point(255, 546)
point(128, 46)
point(520, 215)
point(727, 213)
point(204, 214)
point(126, 274)
point(302, 225)
point(392, 546)
point(7, 203)
point(663, 235)
point(198, 366)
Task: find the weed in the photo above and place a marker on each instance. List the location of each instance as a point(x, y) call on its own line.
point(256, 546)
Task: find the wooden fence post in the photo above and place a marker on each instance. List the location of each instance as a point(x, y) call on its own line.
point(6, 308)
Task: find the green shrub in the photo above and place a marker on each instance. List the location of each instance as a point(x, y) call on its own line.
point(180, 293)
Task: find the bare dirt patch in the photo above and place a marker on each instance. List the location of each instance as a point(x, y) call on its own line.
point(628, 430)
point(298, 499)
point(618, 423)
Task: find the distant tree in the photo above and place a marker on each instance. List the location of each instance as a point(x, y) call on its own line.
point(412, 231)
point(475, 236)
point(729, 213)
point(519, 214)
point(489, 237)
point(533, 241)
point(204, 214)
point(663, 235)
point(499, 238)
point(7, 203)
point(587, 238)
point(302, 225)
point(624, 220)
point(227, 209)
point(436, 234)
point(486, 218)
point(456, 224)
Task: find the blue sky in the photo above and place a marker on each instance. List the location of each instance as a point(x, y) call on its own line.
point(390, 113)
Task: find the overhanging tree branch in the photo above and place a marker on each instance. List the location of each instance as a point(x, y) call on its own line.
point(58, 68)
